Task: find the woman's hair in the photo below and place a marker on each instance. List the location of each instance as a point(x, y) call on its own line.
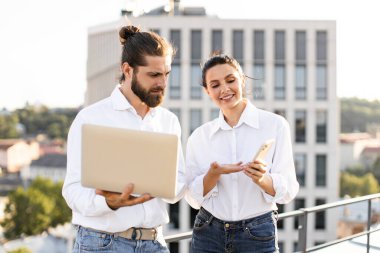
point(136, 45)
point(215, 59)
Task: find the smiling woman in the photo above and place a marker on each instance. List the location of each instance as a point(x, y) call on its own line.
point(237, 196)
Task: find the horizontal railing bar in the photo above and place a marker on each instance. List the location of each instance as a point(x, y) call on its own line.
point(290, 214)
point(178, 237)
point(341, 203)
point(347, 238)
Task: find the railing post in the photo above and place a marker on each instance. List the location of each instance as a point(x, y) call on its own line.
point(302, 231)
point(369, 222)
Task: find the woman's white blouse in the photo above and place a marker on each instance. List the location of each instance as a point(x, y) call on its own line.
point(236, 196)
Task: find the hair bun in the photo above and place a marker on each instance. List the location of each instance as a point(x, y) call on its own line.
point(127, 32)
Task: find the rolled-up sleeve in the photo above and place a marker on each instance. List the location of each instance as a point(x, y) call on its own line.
point(282, 170)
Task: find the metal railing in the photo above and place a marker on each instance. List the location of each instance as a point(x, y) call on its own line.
point(302, 215)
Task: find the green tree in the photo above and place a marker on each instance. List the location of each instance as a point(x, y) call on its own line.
point(353, 185)
point(53, 122)
point(357, 114)
point(32, 211)
point(27, 212)
point(61, 212)
point(8, 126)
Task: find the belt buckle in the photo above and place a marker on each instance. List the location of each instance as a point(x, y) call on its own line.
point(139, 235)
point(155, 233)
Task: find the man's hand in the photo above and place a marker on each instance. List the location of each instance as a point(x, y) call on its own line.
point(116, 200)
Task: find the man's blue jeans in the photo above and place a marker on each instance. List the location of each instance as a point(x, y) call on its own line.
point(89, 240)
point(255, 235)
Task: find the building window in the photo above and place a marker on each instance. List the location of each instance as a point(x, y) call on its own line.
point(321, 164)
point(298, 204)
point(155, 30)
point(301, 82)
point(321, 128)
point(321, 78)
point(177, 112)
point(174, 215)
point(238, 46)
point(280, 223)
point(300, 164)
point(300, 47)
point(279, 81)
point(279, 43)
point(321, 82)
point(258, 46)
point(175, 82)
point(195, 119)
point(173, 247)
point(258, 83)
point(214, 113)
point(217, 40)
point(321, 46)
point(196, 56)
point(195, 79)
point(175, 74)
point(281, 246)
point(320, 217)
point(300, 122)
point(295, 246)
point(280, 112)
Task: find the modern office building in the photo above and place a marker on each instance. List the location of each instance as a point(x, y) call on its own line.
point(294, 66)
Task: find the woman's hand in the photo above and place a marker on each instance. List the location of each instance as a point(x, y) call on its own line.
point(214, 173)
point(256, 170)
point(217, 169)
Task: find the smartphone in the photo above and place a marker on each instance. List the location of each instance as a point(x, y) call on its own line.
point(261, 153)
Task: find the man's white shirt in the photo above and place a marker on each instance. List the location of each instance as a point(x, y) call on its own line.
point(91, 210)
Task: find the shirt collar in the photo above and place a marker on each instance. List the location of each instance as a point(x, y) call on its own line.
point(250, 117)
point(121, 103)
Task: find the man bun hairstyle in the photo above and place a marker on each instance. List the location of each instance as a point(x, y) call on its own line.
point(136, 45)
point(126, 32)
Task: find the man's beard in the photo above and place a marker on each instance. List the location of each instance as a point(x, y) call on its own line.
point(146, 96)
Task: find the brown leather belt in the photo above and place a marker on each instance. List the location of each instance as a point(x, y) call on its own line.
point(145, 234)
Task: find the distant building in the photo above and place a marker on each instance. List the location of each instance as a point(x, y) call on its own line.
point(358, 149)
point(15, 154)
point(295, 66)
point(52, 166)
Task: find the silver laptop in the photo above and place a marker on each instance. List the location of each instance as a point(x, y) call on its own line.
point(113, 157)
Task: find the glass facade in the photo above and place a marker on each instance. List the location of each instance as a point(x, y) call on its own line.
point(195, 71)
point(320, 166)
point(300, 126)
point(300, 164)
point(321, 127)
point(175, 74)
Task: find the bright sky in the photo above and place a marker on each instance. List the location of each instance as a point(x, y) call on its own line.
point(43, 43)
